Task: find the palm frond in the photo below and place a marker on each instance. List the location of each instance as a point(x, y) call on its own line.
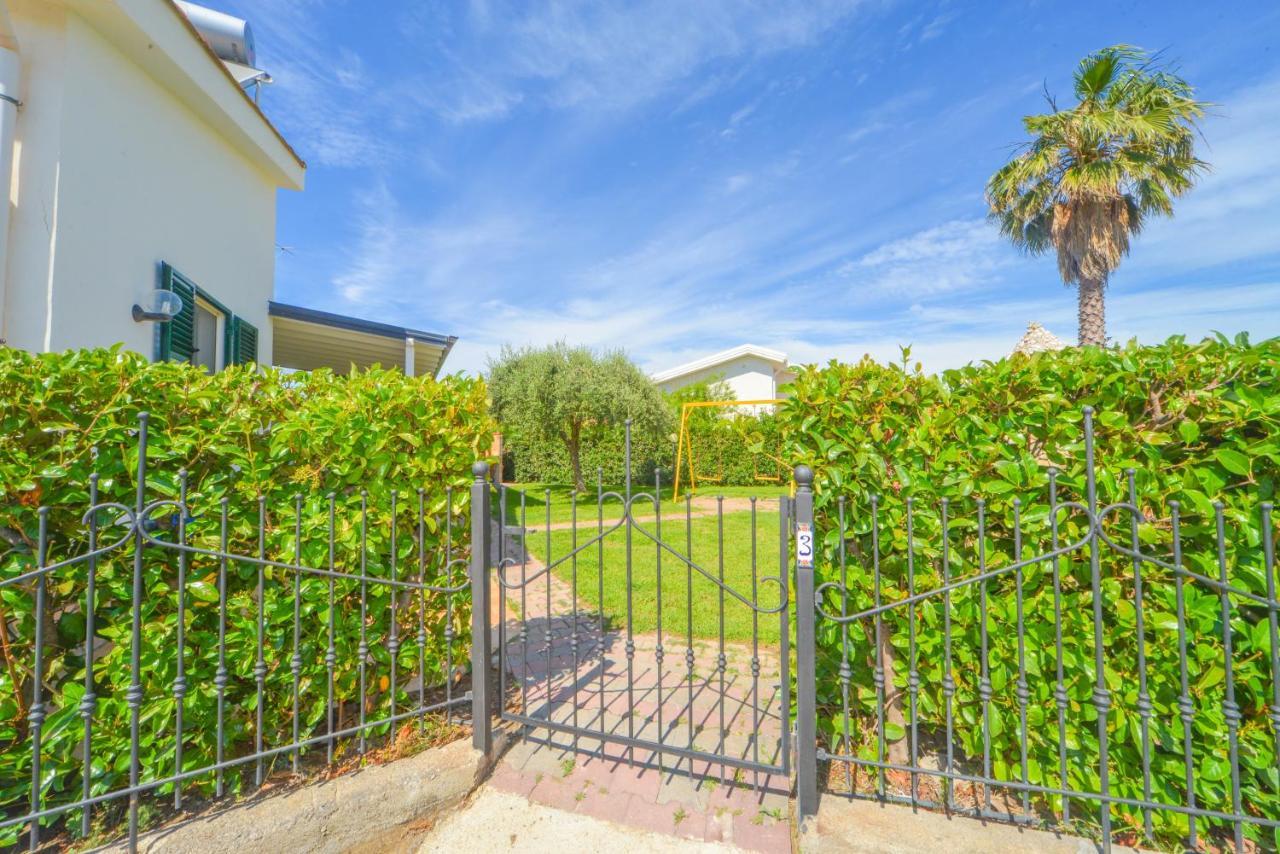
point(1092, 175)
point(1099, 70)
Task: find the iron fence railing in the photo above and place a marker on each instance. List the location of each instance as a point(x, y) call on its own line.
point(219, 660)
point(1081, 656)
point(1047, 660)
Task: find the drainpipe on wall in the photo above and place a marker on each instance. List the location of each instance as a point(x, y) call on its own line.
point(10, 71)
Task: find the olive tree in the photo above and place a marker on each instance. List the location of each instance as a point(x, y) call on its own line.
point(561, 393)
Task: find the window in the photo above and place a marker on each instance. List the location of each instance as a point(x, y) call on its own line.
point(205, 332)
point(210, 333)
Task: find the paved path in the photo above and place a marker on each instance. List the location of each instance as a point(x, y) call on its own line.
point(653, 700)
point(500, 821)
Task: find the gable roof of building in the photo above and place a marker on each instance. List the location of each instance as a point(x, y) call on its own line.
point(159, 38)
point(776, 357)
point(1037, 339)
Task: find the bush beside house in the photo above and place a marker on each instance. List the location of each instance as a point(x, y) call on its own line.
point(240, 434)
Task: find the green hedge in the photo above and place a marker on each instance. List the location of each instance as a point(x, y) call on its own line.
point(731, 448)
point(736, 449)
point(740, 450)
point(240, 434)
point(1198, 422)
point(546, 460)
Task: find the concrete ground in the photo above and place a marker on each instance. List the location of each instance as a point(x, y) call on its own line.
point(847, 826)
point(500, 821)
point(381, 808)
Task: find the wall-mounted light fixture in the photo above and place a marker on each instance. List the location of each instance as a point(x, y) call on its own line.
point(161, 307)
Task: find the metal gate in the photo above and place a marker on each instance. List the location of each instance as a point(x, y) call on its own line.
point(649, 632)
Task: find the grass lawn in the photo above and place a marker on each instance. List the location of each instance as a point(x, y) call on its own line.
point(676, 575)
point(561, 499)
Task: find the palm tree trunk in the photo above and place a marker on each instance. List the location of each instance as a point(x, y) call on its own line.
point(1092, 313)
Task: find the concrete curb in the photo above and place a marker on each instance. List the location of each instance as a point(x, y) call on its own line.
point(844, 826)
point(380, 808)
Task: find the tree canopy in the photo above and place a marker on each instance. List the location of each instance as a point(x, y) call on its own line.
point(561, 392)
point(1091, 175)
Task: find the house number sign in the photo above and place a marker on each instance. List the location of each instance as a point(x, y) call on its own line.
point(804, 546)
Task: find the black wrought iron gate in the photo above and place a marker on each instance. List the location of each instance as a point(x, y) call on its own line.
point(649, 631)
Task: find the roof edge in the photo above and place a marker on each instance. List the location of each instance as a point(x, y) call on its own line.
point(157, 37)
point(356, 324)
point(769, 355)
point(186, 22)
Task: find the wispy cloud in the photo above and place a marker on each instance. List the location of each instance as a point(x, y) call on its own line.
point(645, 175)
point(319, 98)
point(1234, 213)
point(717, 270)
point(953, 256)
point(956, 334)
point(573, 53)
point(937, 26)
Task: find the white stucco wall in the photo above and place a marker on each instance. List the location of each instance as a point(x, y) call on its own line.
point(115, 174)
point(750, 378)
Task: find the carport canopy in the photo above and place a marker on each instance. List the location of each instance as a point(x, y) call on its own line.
point(305, 339)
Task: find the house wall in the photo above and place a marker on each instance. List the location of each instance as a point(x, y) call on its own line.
point(750, 378)
point(114, 174)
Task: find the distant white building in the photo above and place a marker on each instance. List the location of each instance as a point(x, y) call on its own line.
point(751, 372)
point(1037, 339)
point(134, 159)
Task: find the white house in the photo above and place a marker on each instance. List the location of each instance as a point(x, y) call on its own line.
point(134, 158)
point(751, 372)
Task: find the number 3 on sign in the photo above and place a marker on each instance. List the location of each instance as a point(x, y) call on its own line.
point(804, 546)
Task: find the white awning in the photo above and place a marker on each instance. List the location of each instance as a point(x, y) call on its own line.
point(305, 339)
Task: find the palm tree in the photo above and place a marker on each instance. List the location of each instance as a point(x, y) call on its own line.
point(1091, 175)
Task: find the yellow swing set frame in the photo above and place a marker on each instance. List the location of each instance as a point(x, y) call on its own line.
point(684, 443)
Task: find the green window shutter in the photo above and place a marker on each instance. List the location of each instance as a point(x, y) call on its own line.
point(177, 337)
point(244, 350)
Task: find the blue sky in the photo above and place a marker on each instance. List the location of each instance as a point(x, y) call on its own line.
point(676, 178)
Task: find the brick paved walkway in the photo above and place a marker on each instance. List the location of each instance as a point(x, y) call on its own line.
point(690, 798)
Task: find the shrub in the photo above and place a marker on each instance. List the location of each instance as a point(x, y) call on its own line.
point(547, 461)
point(566, 395)
point(1197, 422)
point(731, 447)
point(239, 434)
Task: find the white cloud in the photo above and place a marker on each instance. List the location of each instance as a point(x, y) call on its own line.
point(398, 261)
point(735, 254)
point(866, 130)
point(320, 99)
point(572, 53)
point(937, 26)
point(954, 256)
point(1234, 212)
point(948, 335)
point(739, 116)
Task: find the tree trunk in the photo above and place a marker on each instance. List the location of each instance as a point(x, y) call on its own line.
point(897, 751)
point(1092, 313)
point(575, 457)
